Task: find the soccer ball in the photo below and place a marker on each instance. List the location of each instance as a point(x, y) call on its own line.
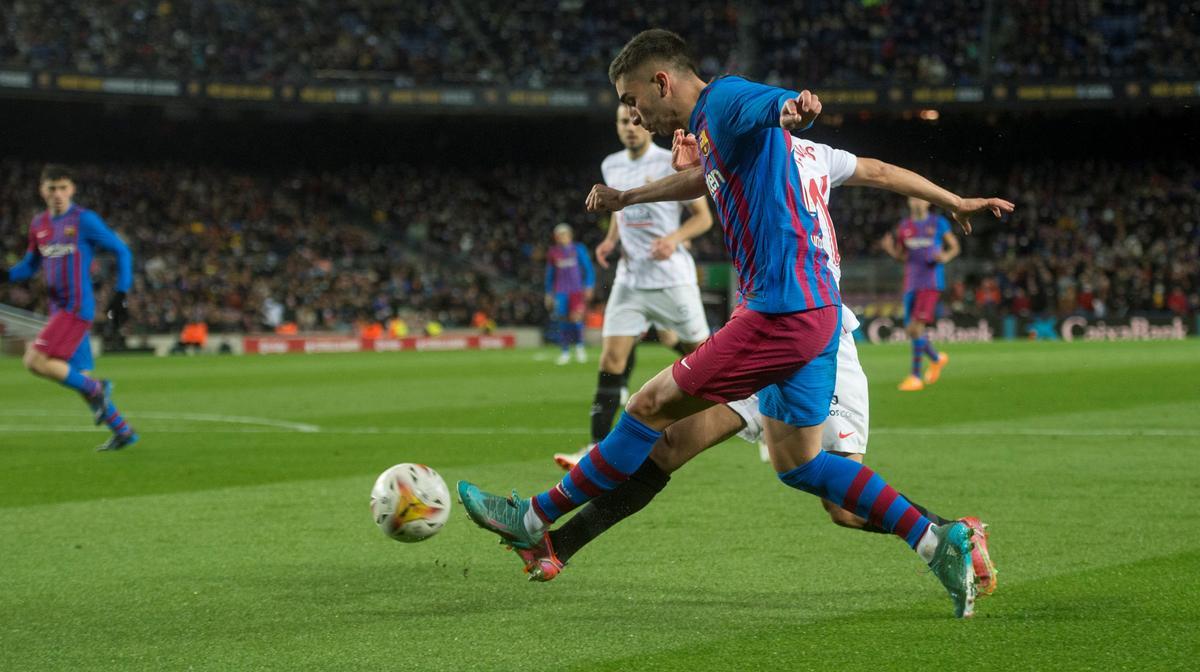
point(410, 502)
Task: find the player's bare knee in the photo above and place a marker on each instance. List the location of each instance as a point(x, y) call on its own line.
point(643, 404)
point(613, 362)
point(35, 362)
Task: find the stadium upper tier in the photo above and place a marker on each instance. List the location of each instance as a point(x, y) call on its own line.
point(568, 43)
point(240, 249)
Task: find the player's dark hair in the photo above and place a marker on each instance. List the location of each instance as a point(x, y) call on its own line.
point(655, 44)
point(53, 172)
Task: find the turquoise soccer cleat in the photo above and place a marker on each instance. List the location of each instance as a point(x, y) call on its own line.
point(119, 441)
point(504, 516)
point(952, 566)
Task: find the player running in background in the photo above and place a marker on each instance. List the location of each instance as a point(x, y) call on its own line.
point(781, 342)
point(569, 282)
point(924, 243)
point(655, 284)
point(822, 168)
point(62, 242)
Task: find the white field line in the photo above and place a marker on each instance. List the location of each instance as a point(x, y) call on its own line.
point(185, 417)
point(257, 425)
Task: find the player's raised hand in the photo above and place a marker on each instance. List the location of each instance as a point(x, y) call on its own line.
point(603, 250)
point(969, 207)
point(662, 248)
point(800, 112)
point(685, 152)
point(604, 198)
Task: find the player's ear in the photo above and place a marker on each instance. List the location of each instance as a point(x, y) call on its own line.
point(663, 80)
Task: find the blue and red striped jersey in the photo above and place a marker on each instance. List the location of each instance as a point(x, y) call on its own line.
point(568, 269)
point(922, 241)
point(774, 239)
point(63, 248)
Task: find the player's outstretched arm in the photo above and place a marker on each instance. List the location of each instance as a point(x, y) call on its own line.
point(881, 175)
point(685, 186)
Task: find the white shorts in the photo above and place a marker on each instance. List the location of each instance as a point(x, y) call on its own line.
point(630, 312)
point(845, 431)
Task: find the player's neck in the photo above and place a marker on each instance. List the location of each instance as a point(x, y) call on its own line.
point(636, 153)
point(60, 213)
point(689, 94)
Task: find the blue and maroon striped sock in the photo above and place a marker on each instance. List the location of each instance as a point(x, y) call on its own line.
point(88, 387)
point(607, 465)
point(856, 488)
point(115, 421)
point(918, 349)
point(929, 350)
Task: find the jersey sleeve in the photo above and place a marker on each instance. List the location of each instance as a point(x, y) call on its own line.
point(95, 231)
point(550, 272)
point(29, 264)
point(842, 165)
point(744, 107)
point(589, 274)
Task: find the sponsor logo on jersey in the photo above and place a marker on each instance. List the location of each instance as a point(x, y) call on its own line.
point(53, 250)
point(714, 179)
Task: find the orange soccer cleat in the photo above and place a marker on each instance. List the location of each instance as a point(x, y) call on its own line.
point(981, 559)
point(541, 564)
point(935, 369)
point(911, 384)
point(568, 460)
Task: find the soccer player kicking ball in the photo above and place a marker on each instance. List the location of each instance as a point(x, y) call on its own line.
point(569, 282)
point(62, 242)
point(844, 432)
point(924, 243)
point(655, 282)
point(782, 340)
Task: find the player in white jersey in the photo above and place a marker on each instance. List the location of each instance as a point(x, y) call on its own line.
point(821, 168)
point(656, 281)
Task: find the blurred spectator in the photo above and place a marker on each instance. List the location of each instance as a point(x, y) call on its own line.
point(536, 43)
point(424, 245)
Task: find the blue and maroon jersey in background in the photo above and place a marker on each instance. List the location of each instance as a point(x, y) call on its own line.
point(775, 241)
point(568, 269)
point(63, 248)
point(923, 241)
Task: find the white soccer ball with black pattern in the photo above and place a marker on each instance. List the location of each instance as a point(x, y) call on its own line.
point(410, 502)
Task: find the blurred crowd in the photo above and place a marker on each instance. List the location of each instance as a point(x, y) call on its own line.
point(536, 43)
point(332, 251)
point(249, 252)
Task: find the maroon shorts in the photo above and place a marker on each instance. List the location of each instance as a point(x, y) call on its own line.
point(61, 336)
point(754, 350)
point(924, 306)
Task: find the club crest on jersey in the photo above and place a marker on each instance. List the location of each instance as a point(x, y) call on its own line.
point(705, 145)
point(69, 230)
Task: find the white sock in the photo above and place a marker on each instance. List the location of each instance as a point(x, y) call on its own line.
point(925, 547)
point(533, 524)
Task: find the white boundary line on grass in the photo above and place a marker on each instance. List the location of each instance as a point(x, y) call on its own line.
point(155, 415)
point(258, 425)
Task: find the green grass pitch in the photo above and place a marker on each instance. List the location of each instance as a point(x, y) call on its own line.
point(236, 535)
